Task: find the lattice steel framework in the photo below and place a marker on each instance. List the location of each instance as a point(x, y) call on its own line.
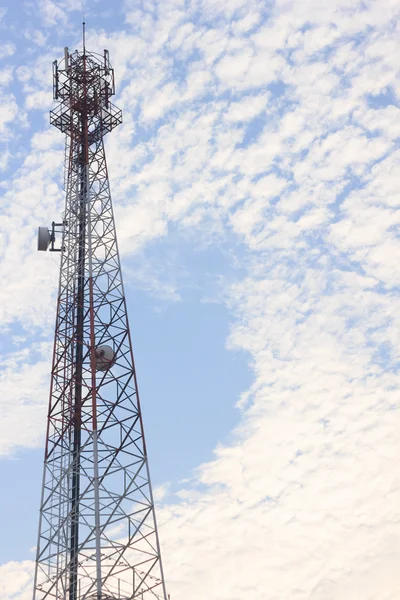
point(98, 536)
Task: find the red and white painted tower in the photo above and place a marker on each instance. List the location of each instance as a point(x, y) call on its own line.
point(98, 535)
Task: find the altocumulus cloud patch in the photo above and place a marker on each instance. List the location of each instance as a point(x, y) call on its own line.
point(252, 128)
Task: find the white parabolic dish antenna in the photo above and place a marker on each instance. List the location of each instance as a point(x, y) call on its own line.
point(105, 357)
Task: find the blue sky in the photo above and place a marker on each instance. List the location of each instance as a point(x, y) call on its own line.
point(189, 382)
point(255, 186)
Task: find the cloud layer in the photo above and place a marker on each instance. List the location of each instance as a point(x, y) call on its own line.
point(274, 132)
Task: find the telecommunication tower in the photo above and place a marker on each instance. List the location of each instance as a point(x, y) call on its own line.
point(98, 537)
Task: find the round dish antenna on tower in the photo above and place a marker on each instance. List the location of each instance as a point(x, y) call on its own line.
point(105, 357)
point(47, 237)
point(44, 239)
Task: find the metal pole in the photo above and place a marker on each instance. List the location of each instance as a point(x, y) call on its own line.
point(94, 400)
point(74, 556)
point(74, 542)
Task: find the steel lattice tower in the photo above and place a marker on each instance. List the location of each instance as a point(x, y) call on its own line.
point(98, 536)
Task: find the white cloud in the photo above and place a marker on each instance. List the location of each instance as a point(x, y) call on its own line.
point(15, 580)
point(23, 388)
point(36, 36)
point(6, 49)
point(9, 112)
point(246, 109)
point(248, 22)
point(6, 76)
point(52, 13)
